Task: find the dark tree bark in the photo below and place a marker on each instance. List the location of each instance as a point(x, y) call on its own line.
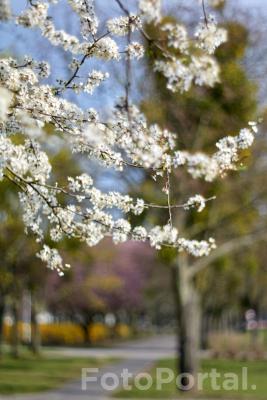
point(35, 332)
point(2, 311)
point(85, 325)
point(204, 333)
point(133, 322)
point(15, 329)
point(188, 324)
point(86, 336)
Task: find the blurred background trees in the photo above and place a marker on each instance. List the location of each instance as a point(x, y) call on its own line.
point(127, 285)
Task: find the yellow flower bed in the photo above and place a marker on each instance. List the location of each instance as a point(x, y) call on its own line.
point(7, 331)
point(123, 331)
point(70, 334)
point(63, 333)
point(98, 332)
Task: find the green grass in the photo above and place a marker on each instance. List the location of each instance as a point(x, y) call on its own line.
point(257, 375)
point(29, 374)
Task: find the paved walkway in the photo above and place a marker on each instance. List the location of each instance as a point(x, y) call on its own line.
point(135, 356)
point(151, 349)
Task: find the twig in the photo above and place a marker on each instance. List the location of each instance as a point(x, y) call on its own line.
point(169, 197)
point(204, 12)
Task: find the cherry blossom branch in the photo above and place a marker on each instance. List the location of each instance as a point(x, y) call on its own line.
point(77, 195)
point(204, 12)
point(168, 188)
point(84, 58)
point(173, 206)
point(231, 246)
point(122, 7)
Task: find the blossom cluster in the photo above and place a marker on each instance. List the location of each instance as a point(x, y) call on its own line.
point(197, 248)
point(202, 70)
point(192, 67)
point(94, 80)
point(210, 36)
point(52, 258)
point(123, 25)
point(177, 36)
point(197, 202)
point(86, 11)
point(123, 140)
point(150, 10)
point(201, 165)
point(135, 50)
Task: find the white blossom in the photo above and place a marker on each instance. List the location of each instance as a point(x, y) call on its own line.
point(150, 10)
point(95, 78)
point(34, 16)
point(177, 36)
point(52, 258)
point(121, 231)
point(205, 70)
point(107, 49)
point(209, 35)
point(179, 158)
point(163, 235)
point(121, 26)
point(197, 248)
point(245, 138)
point(200, 165)
point(139, 234)
point(135, 50)
point(197, 201)
point(179, 76)
point(88, 19)
point(5, 102)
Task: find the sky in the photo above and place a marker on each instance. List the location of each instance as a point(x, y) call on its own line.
point(261, 3)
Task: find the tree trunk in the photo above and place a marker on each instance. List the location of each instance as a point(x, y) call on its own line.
point(86, 327)
point(86, 336)
point(15, 329)
point(35, 333)
point(188, 325)
point(204, 341)
point(2, 311)
point(133, 323)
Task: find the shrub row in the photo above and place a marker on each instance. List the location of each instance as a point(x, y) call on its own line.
point(69, 333)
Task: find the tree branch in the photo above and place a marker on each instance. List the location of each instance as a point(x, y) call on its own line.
point(229, 247)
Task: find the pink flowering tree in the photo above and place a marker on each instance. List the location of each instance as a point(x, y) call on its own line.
point(116, 282)
point(131, 263)
point(119, 138)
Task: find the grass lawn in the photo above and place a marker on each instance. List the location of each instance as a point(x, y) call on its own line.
point(29, 374)
point(257, 375)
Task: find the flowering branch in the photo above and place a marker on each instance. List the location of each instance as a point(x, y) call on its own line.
point(125, 139)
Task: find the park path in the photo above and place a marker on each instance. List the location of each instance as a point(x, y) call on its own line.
point(135, 356)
